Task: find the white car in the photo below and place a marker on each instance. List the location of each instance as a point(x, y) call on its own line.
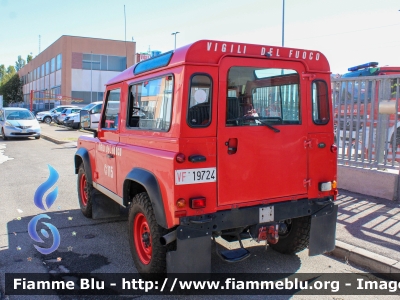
point(47, 116)
point(18, 122)
point(59, 117)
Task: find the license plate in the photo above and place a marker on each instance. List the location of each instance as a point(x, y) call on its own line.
point(24, 131)
point(192, 176)
point(266, 214)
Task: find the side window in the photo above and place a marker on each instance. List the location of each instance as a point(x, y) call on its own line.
point(150, 104)
point(1, 116)
point(320, 102)
point(97, 109)
point(199, 112)
point(111, 111)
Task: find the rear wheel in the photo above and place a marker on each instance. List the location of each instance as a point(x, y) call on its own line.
point(295, 238)
point(148, 254)
point(84, 192)
point(3, 134)
point(47, 120)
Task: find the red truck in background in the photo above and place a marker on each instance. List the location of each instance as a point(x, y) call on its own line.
point(360, 96)
point(215, 139)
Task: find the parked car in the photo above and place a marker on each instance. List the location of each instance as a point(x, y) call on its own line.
point(18, 122)
point(47, 116)
point(59, 117)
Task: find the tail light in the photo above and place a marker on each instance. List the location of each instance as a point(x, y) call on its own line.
point(334, 148)
point(180, 158)
point(198, 202)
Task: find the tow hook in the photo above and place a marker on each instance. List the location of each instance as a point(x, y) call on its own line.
point(271, 234)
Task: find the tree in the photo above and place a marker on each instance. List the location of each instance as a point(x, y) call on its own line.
point(12, 90)
point(29, 58)
point(11, 70)
point(20, 63)
point(2, 72)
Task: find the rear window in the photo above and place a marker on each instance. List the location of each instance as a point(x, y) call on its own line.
point(257, 96)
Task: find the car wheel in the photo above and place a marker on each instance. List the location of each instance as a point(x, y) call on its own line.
point(84, 192)
point(3, 134)
point(295, 238)
point(47, 120)
point(148, 254)
point(37, 137)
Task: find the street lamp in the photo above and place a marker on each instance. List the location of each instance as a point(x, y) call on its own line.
point(283, 23)
point(175, 33)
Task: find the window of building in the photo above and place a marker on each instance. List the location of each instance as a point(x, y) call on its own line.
point(38, 72)
point(150, 104)
point(199, 113)
point(42, 70)
point(34, 74)
point(47, 67)
point(53, 65)
point(59, 61)
point(92, 61)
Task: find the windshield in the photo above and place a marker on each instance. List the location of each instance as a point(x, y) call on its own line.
point(256, 96)
point(19, 115)
point(89, 106)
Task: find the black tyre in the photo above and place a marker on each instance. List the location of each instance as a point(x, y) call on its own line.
point(37, 137)
point(84, 192)
point(397, 142)
point(3, 135)
point(148, 254)
point(47, 120)
point(296, 238)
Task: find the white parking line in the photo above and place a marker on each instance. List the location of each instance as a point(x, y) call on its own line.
point(3, 158)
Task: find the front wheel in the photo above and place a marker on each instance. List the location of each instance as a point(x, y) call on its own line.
point(295, 238)
point(3, 134)
point(84, 192)
point(37, 137)
point(148, 254)
point(47, 120)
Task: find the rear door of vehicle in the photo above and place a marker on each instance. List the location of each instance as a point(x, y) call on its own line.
point(255, 161)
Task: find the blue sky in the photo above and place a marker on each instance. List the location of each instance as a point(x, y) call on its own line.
point(348, 32)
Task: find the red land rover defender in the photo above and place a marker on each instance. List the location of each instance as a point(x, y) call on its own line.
point(215, 139)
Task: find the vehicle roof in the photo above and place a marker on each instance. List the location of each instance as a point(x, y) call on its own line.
point(211, 52)
point(14, 108)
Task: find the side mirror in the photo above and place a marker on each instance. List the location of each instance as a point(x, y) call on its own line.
point(85, 119)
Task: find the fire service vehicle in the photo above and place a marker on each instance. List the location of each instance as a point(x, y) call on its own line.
point(358, 102)
point(215, 139)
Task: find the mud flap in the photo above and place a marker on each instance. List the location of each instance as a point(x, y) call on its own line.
point(103, 206)
point(323, 230)
point(193, 252)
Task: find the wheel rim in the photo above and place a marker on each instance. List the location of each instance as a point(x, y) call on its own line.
point(142, 238)
point(47, 120)
point(83, 190)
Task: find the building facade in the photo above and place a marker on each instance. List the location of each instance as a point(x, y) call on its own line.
point(75, 67)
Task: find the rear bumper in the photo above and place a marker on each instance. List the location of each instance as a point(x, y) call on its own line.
point(193, 235)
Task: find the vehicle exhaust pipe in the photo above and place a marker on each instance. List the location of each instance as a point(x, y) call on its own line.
point(168, 238)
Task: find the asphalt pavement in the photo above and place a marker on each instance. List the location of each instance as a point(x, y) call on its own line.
point(368, 228)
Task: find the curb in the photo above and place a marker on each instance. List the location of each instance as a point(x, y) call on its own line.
point(53, 139)
point(376, 262)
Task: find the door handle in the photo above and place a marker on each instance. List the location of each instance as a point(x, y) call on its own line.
point(232, 145)
point(109, 155)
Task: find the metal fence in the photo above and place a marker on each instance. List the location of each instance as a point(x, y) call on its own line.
point(367, 127)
